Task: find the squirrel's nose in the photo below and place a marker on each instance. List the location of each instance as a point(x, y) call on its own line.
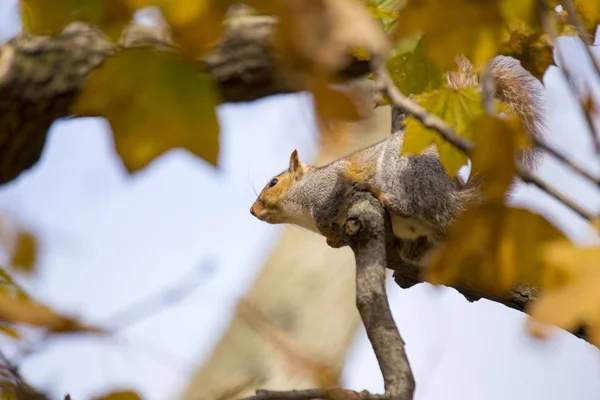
point(252, 211)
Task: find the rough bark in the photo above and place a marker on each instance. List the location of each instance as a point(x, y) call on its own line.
point(366, 229)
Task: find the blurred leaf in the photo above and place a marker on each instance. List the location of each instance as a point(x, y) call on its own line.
point(121, 395)
point(196, 26)
point(322, 34)
point(26, 311)
point(496, 144)
point(570, 305)
point(25, 254)
point(596, 224)
point(413, 72)
point(458, 108)
point(154, 103)
point(9, 331)
point(334, 108)
point(463, 27)
point(386, 11)
point(589, 13)
point(529, 45)
point(43, 17)
point(494, 248)
point(454, 27)
point(8, 285)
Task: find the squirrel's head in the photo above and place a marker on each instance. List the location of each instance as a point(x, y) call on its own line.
point(273, 204)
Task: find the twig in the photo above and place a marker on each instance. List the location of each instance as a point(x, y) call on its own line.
point(527, 177)
point(366, 234)
point(562, 158)
point(547, 23)
point(583, 35)
point(387, 86)
point(11, 378)
point(314, 394)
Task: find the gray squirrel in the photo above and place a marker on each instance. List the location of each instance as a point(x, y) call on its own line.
point(421, 198)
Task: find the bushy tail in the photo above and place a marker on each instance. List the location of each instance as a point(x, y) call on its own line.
point(516, 87)
point(519, 89)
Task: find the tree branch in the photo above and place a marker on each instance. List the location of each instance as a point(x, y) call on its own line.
point(366, 234)
point(40, 76)
point(313, 394)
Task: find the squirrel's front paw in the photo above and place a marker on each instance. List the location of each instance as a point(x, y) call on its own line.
point(332, 234)
point(335, 242)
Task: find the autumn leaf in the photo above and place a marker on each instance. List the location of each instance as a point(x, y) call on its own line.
point(120, 395)
point(596, 224)
point(154, 102)
point(458, 108)
point(413, 72)
point(43, 17)
point(386, 11)
point(577, 302)
point(497, 141)
point(10, 331)
point(196, 26)
point(8, 285)
point(26, 311)
point(24, 255)
point(493, 247)
point(322, 34)
point(454, 27)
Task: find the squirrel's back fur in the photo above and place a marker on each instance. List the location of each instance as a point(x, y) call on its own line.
point(422, 199)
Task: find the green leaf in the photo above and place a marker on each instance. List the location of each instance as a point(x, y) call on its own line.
point(154, 102)
point(459, 108)
point(413, 72)
point(386, 11)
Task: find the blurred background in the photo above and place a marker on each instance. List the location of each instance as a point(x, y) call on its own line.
point(207, 302)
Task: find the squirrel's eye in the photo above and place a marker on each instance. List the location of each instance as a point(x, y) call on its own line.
point(273, 182)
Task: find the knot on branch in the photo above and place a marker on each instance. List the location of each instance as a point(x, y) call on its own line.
point(364, 218)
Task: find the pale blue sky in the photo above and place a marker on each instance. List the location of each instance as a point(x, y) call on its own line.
point(110, 239)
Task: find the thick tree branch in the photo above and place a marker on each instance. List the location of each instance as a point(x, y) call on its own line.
point(40, 76)
point(315, 394)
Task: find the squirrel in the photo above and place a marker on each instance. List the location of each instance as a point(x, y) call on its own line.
point(421, 198)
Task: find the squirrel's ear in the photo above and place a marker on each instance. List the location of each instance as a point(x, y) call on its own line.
point(296, 166)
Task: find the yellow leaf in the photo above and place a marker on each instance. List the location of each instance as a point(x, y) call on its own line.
point(386, 11)
point(494, 248)
point(578, 302)
point(154, 102)
point(454, 27)
point(19, 310)
point(120, 395)
point(9, 331)
point(459, 108)
point(496, 144)
point(596, 224)
point(195, 25)
point(43, 17)
point(25, 254)
point(8, 285)
point(322, 34)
